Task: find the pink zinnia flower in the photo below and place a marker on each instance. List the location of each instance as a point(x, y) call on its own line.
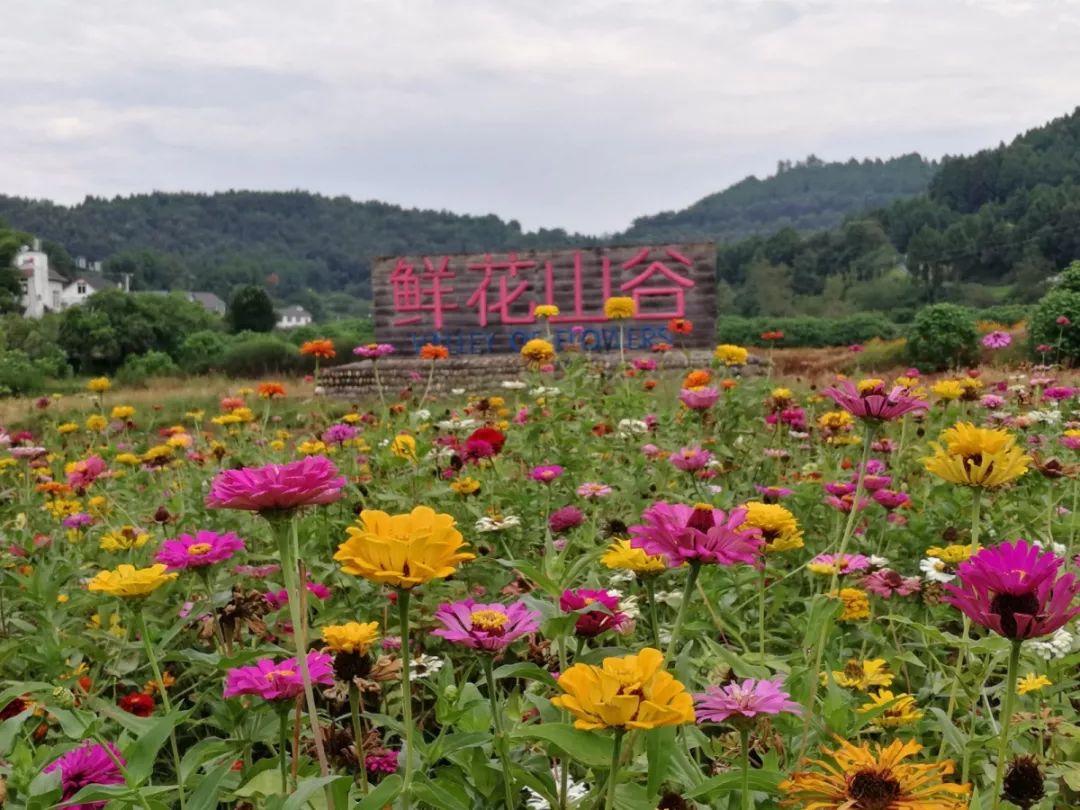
point(339, 434)
point(690, 459)
point(600, 611)
point(592, 490)
point(89, 764)
point(381, 762)
point(845, 503)
point(1014, 589)
point(1062, 320)
point(546, 473)
point(886, 582)
point(205, 548)
point(645, 364)
point(996, 340)
point(273, 680)
point(492, 627)
point(773, 494)
point(277, 487)
point(373, 351)
point(1058, 392)
point(745, 699)
point(874, 403)
point(992, 401)
point(651, 451)
point(569, 517)
point(842, 563)
point(85, 472)
point(892, 499)
point(699, 399)
point(696, 533)
point(1071, 442)
point(872, 483)
point(839, 488)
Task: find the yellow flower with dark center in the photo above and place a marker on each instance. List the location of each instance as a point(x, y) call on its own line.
point(621, 556)
point(123, 412)
point(351, 637)
point(782, 394)
point(465, 485)
point(61, 508)
point(835, 420)
point(158, 454)
point(863, 675)
point(951, 554)
point(96, 423)
point(731, 355)
point(619, 308)
point(404, 446)
point(99, 385)
point(127, 580)
point(538, 352)
point(628, 692)
point(856, 604)
point(127, 538)
point(857, 778)
point(546, 311)
point(1032, 683)
point(127, 458)
point(405, 550)
point(779, 528)
point(947, 390)
point(971, 388)
point(977, 457)
point(351, 418)
point(900, 709)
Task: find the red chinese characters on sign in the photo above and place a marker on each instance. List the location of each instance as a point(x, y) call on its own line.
point(506, 289)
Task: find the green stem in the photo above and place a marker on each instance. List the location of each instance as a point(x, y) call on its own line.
point(744, 739)
point(676, 631)
point(1006, 718)
point(613, 776)
point(358, 734)
point(650, 592)
point(165, 702)
point(283, 742)
point(761, 610)
point(406, 694)
point(500, 733)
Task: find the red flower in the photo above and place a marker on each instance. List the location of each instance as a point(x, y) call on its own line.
point(137, 703)
point(680, 326)
point(496, 438)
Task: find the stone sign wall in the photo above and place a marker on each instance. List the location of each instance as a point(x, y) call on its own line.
point(485, 303)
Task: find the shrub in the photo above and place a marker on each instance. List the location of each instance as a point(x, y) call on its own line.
point(943, 336)
point(258, 355)
point(805, 330)
point(18, 374)
point(139, 368)
point(201, 351)
point(1062, 301)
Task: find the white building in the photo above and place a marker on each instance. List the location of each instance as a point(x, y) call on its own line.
point(45, 290)
point(85, 284)
point(292, 317)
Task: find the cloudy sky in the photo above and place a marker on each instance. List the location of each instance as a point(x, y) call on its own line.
point(573, 113)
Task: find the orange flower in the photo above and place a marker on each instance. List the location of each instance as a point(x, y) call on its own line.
point(697, 379)
point(271, 390)
point(433, 351)
point(661, 348)
point(728, 384)
point(322, 348)
point(680, 326)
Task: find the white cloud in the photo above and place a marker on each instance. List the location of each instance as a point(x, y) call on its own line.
point(574, 113)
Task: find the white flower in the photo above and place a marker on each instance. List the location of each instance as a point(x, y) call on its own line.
point(544, 391)
point(1057, 646)
point(457, 392)
point(421, 415)
point(424, 665)
point(575, 792)
point(497, 523)
point(1049, 417)
point(670, 598)
point(622, 577)
point(878, 562)
point(1057, 549)
point(934, 570)
point(457, 424)
point(632, 427)
point(513, 385)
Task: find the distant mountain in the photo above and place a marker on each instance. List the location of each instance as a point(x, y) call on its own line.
point(809, 195)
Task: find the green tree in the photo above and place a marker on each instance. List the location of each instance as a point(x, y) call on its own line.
point(943, 336)
point(251, 310)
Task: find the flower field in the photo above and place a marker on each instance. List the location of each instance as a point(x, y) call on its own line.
point(637, 590)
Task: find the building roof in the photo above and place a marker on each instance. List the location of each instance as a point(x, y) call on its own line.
point(93, 279)
point(53, 275)
point(294, 311)
point(208, 300)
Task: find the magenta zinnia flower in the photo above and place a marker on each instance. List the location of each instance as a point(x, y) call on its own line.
point(274, 680)
point(339, 433)
point(873, 403)
point(891, 498)
point(205, 548)
point(601, 610)
point(840, 563)
point(997, 340)
point(546, 473)
point(685, 533)
point(373, 351)
point(84, 473)
point(699, 399)
point(749, 698)
point(886, 582)
point(89, 764)
point(491, 627)
point(690, 459)
point(569, 517)
point(277, 487)
point(1014, 589)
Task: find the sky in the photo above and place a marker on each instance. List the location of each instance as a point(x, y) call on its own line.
point(581, 114)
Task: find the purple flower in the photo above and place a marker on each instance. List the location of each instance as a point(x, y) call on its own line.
point(699, 533)
point(381, 762)
point(89, 764)
point(745, 699)
point(886, 582)
point(569, 517)
point(773, 494)
point(839, 488)
point(873, 403)
point(80, 520)
point(872, 483)
point(600, 611)
point(257, 571)
point(699, 399)
point(277, 487)
point(205, 548)
point(1058, 392)
point(274, 680)
point(546, 473)
point(339, 434)
point(996, 340)
point(1014, 589)
point(690, 459)
point(491, 627)
point(892, 499)
point(992, 401)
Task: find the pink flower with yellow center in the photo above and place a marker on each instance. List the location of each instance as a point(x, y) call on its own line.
point(490, 627)
point(205, 548)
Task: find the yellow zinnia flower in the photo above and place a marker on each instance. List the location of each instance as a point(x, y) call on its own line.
point(127, 458)
point(96, 423)
point(977, 457)
point(538, 352)
point(67, 427)
point(779, 528)
point(546, 311)
point(1032, 683)
point(619, 308)
point(403, 550)
point(123, 412)
point(312, 447)
point(127, 538)
point(862, 675)
point(352, 637)
point(127, 580)
point(99, 385)
point(902, 709)
point(947, 389)
point(631, 691)
point(856, 604)
point(465, 485)
point(852, 773)
point(731, 355)
point(951, 554)
point(404, 446)
point(835, 420)
point(622, 556)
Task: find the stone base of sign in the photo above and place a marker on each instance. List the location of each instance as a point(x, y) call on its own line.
point(476, 374)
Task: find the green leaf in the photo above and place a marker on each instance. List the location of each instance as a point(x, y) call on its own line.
point(952, 735)
point(432, 793)
point(206, 794)
point(659, 747)
point(306, 788)
point(143, 751)
point(10, 729)
point(524, 669)
point(589, 748)
point(760, 780)
point(383, 794)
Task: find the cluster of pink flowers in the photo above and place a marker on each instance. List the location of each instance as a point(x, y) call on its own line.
point(600, 611)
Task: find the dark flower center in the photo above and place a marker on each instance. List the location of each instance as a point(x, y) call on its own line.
point(1007, 605)
point(873, 790)
point(1023, 784)
point(702, 519)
